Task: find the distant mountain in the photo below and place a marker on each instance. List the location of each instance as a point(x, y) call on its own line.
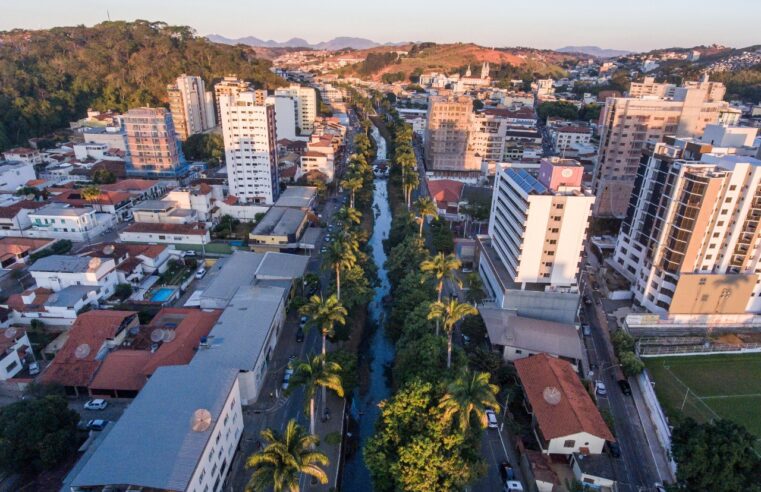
point(595, 51)
point(333, 44)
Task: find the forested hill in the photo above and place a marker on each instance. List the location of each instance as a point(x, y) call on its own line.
point(50, 77)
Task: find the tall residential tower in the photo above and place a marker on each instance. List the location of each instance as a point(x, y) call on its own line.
point(191, 105)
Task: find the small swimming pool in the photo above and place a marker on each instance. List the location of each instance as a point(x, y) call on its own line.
point(162, 295)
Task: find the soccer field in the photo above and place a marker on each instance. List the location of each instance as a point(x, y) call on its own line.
point(710, 386)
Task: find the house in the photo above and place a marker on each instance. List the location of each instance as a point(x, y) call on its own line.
point(56, 272)
point(114, 203)
point(199, 198)
point(565, 136)
point(134, 261)
point(163, 212)
point(190, 234)
point(15, 174)
point(15, 217)
point(280, 229)
point(93, 334)
point(15, 349)
point(314, 161)
point(564, 417)
point(447, 194)
point(139, 189)
point(127, 369)
point(23, 154)
point(62, 221)
point(15, 251)
point(180, 433)
point(52, 308)
point(594, 471)
point(519, 337)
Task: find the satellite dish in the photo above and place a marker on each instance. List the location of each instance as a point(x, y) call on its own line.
point(82, 351)
point(551, 395)
point(201, 420)
point(169, 335)
point(108, 249)
point(157, 335)
point(10, 332)
point(30, 196)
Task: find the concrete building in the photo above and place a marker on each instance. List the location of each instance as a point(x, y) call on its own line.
point(627, 123)
point(189, 234)
point(192, 106)
point(61, 221)
point(312, 161)
point(565, 137)
point(56, 272)
point(306, 106)
point(110, 136)
point(23, 154)
point(280, 229)
point(15, 350)
point(229, 86)
point(249, 132)
point(447, 135)
point(153, 149)
point(15, 175)
point(285, 116)
point(689, 242)
point(163, 212)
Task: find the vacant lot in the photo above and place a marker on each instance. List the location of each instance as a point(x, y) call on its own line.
point(710, 386)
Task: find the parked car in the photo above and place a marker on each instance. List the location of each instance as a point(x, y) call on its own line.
point(506, 471)
point(96, 424)
point(98, 404)
point(614, 449)
point(491, 418)
point(200, 272)
point(513, 486)
point(586, 329)
point(300, 334)
point(600, 388)
point(625, 387)
point(34, 368)
point(188, 253)
point(287, 378)
point(303, 321)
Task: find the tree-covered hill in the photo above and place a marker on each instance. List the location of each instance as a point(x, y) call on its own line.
point(50, 77)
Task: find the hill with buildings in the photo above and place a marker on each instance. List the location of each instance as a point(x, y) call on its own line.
point(410, 60)
point(595, 51)
point(50, 77)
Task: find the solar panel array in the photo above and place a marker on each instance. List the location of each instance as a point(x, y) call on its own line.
point(527, 182)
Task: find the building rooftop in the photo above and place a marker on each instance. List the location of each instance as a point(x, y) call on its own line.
point(575, 412)
point(280, 221)
point(598, 465)
point(152, 445)
point(68, 297)
point(155, 205)
point(12, 211)
point(66, 264)
point(297, 196)
point(196, 229)
point(62, 209)
point(130, 185)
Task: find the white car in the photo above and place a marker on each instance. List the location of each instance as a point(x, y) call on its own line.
point(99, 404)
point(513, 486)
point(600, 388)
point(491, 418)
point(287, 378)
point(200, 272)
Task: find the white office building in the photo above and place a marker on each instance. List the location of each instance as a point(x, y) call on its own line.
point(285, 116)
point(306, 105)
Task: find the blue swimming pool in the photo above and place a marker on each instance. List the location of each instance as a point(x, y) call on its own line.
point(162, 295)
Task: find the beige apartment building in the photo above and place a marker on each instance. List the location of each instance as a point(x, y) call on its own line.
point(627, 123)
point(306, 105)
point(153, 148)
point(229, 86)
point(447, 135)
point(192, 106)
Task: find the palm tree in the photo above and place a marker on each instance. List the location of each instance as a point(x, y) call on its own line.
point(450, 314)
point(413, 180)
point(282, 461)
point(468, 396)
point(441, 268)
point(352, 184)
point(324, 313)
point(342, 254)
point(426, 208)
point(313, 373)
point(349, 215)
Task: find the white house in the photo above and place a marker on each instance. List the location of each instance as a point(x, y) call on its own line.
point(163, 212)
point(15, 174)
point(564, 417)
point(14, 347)
point(62, 221)
point(23, 154)
point(190, 234)
point(56, 272)
point(594, 471)
point(52, 308)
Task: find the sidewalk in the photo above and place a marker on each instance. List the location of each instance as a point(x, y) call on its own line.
point(329, 430)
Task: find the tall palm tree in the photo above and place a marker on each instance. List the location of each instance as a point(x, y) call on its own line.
point(349, 215)
point(352, 183)
point(441, 268)
point(342, 254)
point(281, 462)
point(468, 396)
point(324, 313)
point(425, 208)
point(413, 180)
point(313, 373)
point(450, 313)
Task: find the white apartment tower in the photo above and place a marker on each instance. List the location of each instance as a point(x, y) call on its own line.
point(538, 226)
point(191, 105)
point(691, 241)
point(250, 148)
point(306, 105)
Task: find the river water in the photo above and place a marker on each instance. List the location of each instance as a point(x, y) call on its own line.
point(380, 351)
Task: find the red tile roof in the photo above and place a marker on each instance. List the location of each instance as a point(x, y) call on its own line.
point(574, 413)
point(9, 336)
point(445, 191)
point(129, 185)
point(11, 211)
point(16, 301)
point(93, 329)
point(122, 370)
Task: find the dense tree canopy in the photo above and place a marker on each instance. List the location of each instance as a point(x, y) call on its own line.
point(50, 77)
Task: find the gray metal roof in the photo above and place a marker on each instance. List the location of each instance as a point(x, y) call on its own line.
point(69, 296)
point(297, 196)
point(239, 269)
point(62, 264)
point(282, 266)
point(280, 221)
point(239, 334)
point(534, 335)
point(155, 205)
point(152, 444)
point(61, 209)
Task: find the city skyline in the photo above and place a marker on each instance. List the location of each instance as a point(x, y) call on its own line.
point(608, 25)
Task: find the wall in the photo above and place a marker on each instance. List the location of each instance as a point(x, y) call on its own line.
point(581, 440)
point(164, 238)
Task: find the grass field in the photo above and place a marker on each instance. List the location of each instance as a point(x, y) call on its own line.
point(710, 386)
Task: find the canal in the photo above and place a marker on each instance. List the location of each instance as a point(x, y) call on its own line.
point(379, 351)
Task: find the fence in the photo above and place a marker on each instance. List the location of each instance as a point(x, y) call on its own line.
point(662, 429)
point(705, 349)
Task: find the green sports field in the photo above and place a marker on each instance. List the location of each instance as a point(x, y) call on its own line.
point(710, 386)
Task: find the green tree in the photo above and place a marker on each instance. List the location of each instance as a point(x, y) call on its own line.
point(36, 434)
point(90, 193)
point(441, 268)
point(420, 358)
point(563, 109)
point(313, 373)
point(341, 255)
point(123, 291)
point(631, 364)
point(207, 147)
point(103, 176)
point(352, 183)
point(467, 399)
point(324, 314)
point(716, 456)
point(425, 208)
point(283, 459)
point(450, 314)
point(349, 216)
point(475, 288)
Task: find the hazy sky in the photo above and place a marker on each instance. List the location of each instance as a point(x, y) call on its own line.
point(622, 24)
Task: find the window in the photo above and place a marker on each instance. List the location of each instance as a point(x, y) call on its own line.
point(569, 443)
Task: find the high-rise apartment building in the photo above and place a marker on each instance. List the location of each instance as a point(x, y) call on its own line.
point(627, 123)
point(690, 242)
point(153, 148)
point(192, 106)
point(306, 105)
point(447, 135)
point(229, 86)
point(249, 133)
point(285, 116)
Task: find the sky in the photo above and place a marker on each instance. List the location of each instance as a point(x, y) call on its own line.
point(621, 24)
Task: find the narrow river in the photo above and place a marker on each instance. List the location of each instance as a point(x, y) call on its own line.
point(380, 350)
